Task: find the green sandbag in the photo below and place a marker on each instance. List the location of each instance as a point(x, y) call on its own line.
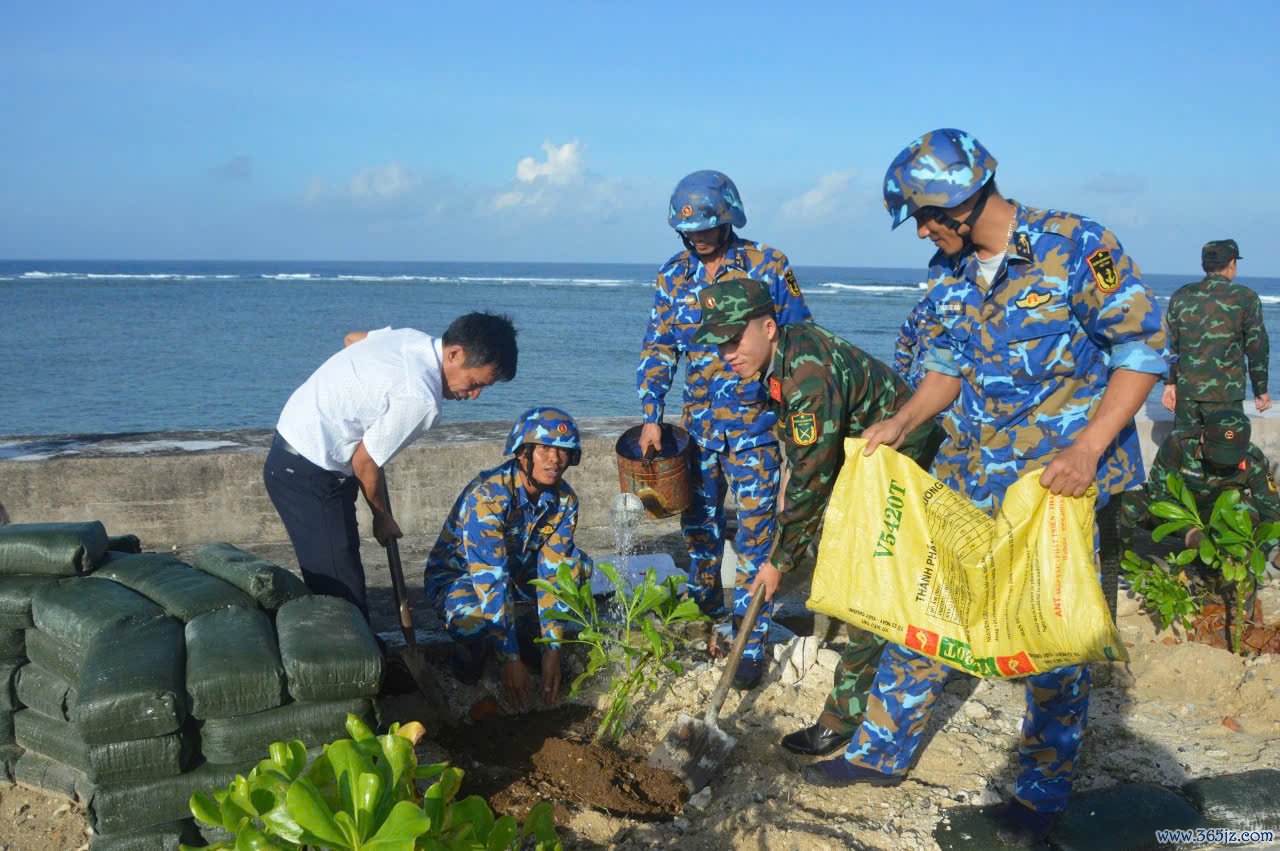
point(6, 727)
point(177, 587)
point(13, 645)
point(1121, 818)
point(36, 771)
point(169, 836)
point(57, 549)
point(328, 650)
point(233, 664)
point(248, 737)
point(125, 807)
point(44, 691)
point(76, 610)
point(15, 599)
point(55, 656)
point(124, 544)
point(8, 698)
point(1250, 799)
point(269, 584)
point(133, 684)
point(9, 755)
point(158, 756)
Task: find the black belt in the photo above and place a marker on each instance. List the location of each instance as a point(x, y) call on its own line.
point(284, 444)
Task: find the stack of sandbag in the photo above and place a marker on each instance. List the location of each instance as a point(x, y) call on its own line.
point(32, 557)
point(150, 678)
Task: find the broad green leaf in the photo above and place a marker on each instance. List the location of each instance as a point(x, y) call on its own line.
point(1207, 550)
point(399, 758)
point(404, 824)
point(314, 816)
point(474, 811)
point(430, 772)
point(1164, 529)
point(252, 839)
point(541, 825)
point(348, 827)
point(348, 762)
point(655, 640)
point(505, 832)
point(611, 573)
point(1258, 563)
point(1268, 532)
point(1171, 511)
point(206, 809)
point(369, 788)
point(1186, 556)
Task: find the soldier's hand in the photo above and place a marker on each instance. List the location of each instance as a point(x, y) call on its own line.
point(1169, 398)
point(550, 675)
point(385, 528)
point(768, 578)
point(890, 432)
point(650, 438)
point(1262, 402)
point(517, 684)
point(1071, 471)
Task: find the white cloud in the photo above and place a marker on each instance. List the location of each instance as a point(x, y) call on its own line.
point(1112, 183)
point(562, 165)
point(822, 201)
point(383, 182)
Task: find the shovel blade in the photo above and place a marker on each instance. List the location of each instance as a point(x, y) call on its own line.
point(693, 750)
point(415, 662)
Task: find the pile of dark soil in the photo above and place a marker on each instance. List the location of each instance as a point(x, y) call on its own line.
point(517, 762)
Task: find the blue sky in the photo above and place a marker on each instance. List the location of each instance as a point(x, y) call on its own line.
point(555, 131)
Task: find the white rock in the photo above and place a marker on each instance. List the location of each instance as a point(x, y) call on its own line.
point(986, 798)
point(700, 800)
point(975, 710)
point(828, 659)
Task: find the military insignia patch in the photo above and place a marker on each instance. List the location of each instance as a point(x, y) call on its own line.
point(1104, 271)
point(563, 428)
point(691, 300)
point(1229, 434)
point(793, 286)
point(1023, 242)
point(1033, 300)
point(547, 530)
point(954, 307)
point(710, 303)
point(775, 389)
point(686, 211)
point(804, 428)
point(1271, 483)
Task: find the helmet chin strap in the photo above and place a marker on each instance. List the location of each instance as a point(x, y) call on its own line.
point(723, 232)
point(976, 213)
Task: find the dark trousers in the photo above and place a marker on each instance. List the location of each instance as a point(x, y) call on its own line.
point(318, 508)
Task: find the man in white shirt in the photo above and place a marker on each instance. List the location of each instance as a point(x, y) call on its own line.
point(367, 402)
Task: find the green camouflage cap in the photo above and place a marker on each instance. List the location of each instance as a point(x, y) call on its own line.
point(1219, 253)
point(727, 307)
point(1226, 438)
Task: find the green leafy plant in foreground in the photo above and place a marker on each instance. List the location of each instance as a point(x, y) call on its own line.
point(1231, 545)
point(636, 646)
point(362, 793)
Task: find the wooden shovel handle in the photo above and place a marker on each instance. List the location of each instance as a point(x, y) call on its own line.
point(735, 656)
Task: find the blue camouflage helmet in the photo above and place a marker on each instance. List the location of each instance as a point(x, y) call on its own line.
point(704, 200)
point(943, 168)
point(545, 426)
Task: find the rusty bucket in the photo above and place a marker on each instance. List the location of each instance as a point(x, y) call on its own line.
point(661, 482)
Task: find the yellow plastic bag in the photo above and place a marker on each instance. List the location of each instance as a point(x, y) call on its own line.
point(909, 559)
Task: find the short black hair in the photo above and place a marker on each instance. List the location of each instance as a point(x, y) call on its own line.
point(487, 339)
point(1212, 267)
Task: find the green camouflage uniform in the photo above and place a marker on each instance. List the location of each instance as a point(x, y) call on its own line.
point(1214, 325)
point(1243, 467)
point(823, 389)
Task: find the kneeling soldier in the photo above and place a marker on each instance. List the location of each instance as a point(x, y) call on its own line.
point(510, 525)
point(823, 389)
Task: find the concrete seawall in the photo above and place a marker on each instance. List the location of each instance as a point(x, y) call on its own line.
point(190, 488)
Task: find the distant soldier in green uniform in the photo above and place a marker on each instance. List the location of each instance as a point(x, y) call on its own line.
point(822, 390)
point(1214, 325)
point(1220, 457)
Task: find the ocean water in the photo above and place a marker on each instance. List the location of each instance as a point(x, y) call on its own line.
point(92, 347)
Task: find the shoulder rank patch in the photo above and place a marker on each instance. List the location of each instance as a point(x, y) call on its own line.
point(775, 389)
point(1271, 483)
point(547, 530)
point(1023, 243)
point(793, 286)
point(1104, 271)
point(1034, 299)
point(804, 428)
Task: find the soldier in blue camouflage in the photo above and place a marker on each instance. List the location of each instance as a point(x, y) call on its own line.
point(731, 428)
point(821, 389)
point(1043, 331)
point(910, 349)
point(1214, 325)
point(511, 524)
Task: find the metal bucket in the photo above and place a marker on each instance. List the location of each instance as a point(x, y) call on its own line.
point(661, 482)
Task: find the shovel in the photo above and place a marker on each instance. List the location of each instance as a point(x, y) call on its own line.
point(694, 748)
point(411, 654)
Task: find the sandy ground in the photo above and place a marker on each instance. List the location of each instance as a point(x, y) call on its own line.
point(1159, 719)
